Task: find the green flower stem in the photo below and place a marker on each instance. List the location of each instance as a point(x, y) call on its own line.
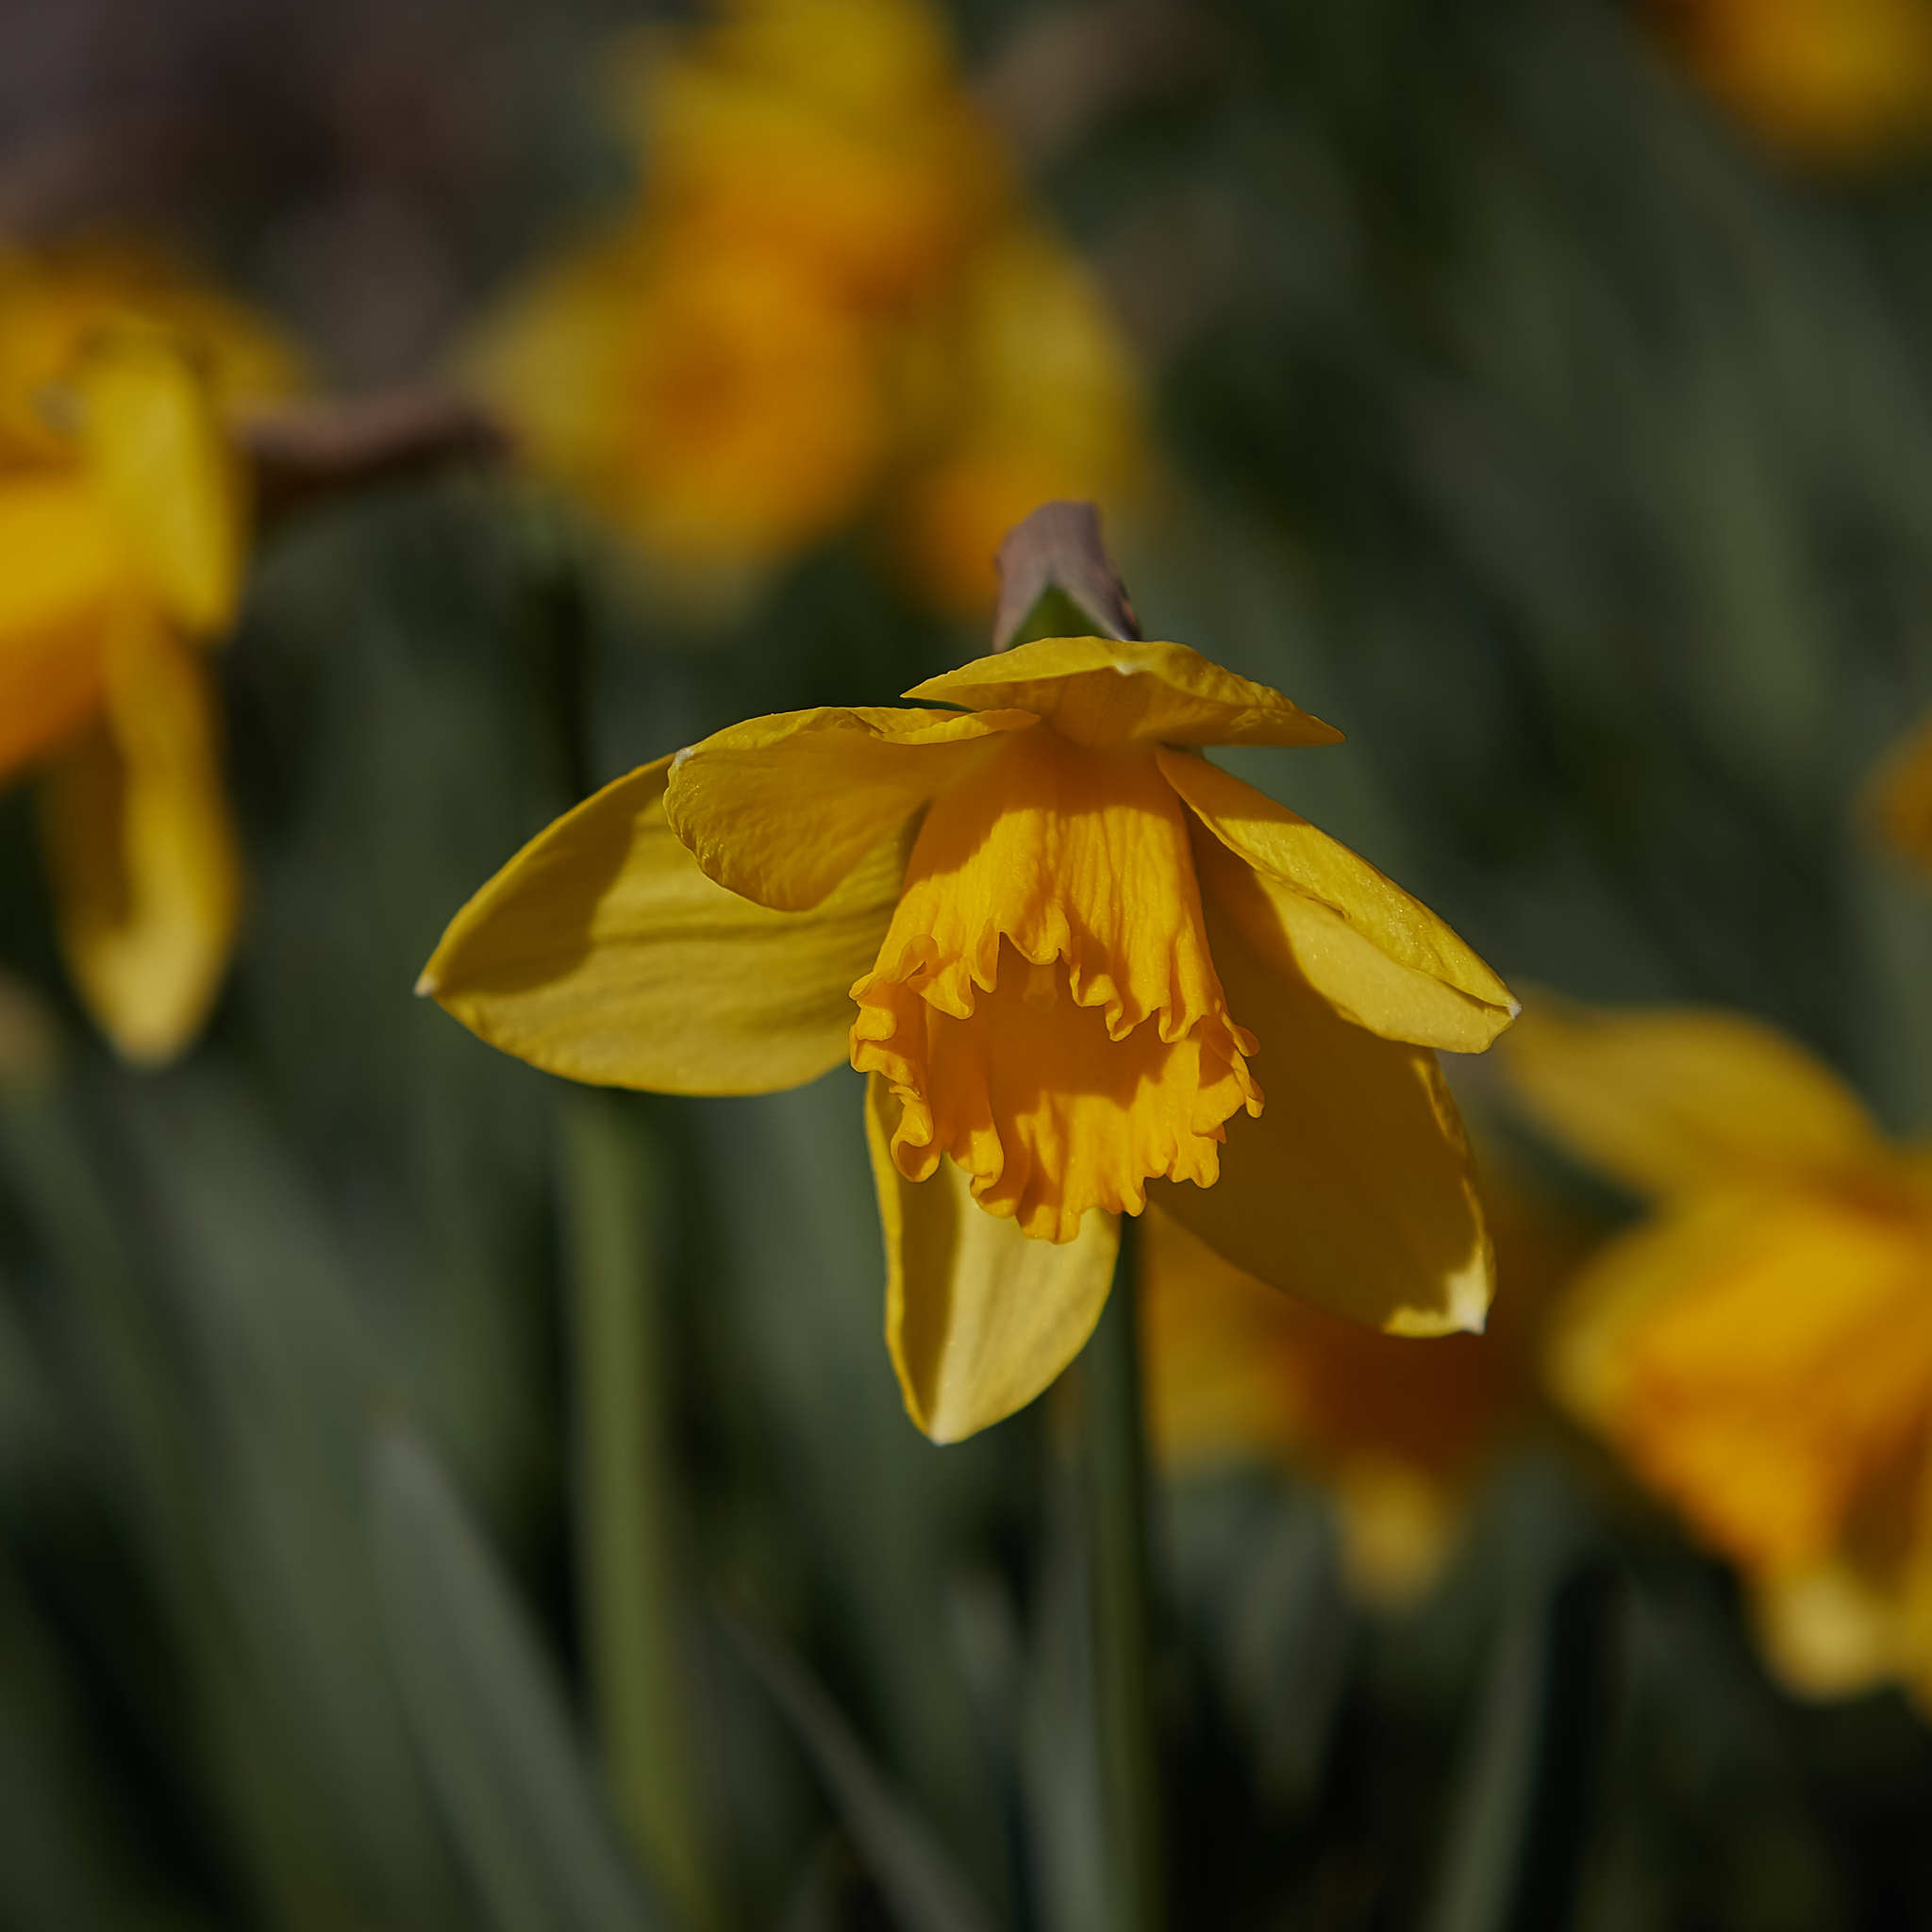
point(625, 1498)
point(1116, 1458)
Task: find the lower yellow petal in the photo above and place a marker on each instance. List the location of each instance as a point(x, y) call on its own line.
point(1678, 1098)
point(1763, 1359)
point(979, 1319)
point(164, 463)
point(1306, 903)
point(779, 809)
point(1354, 1189)
point(1827, 1631)
point(603, 952)
point(145, 869)
point(60, 573)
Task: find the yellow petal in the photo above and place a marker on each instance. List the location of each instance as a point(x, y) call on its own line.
point(61, 571)
point(1827, 1631)
point(779, 809)
point(602, 953)
point(146, 874)
point(1354, 1189)
point(1764, 1360)
point(978, 1318)
point(1304, 901)
point(1101, 691)
point(1398, 1526)
point(1679, 1098)
point(166, 468)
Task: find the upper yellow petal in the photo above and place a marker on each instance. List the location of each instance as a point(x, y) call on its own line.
point(1378, 957)
point(1102, 690)
point(1761, 1357)
point(54, 300)
point(779, 809)
point(144, 856)
point(167, 469)
point(1354, 1189)
point(61, 569)
point(603, 952)
point(979, 1319)
point(1679, 1098)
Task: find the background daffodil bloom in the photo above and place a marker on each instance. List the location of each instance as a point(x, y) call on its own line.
point(1239, 1374)
point(1898, 801)
point(1066, 950)
point(1837, 80)
point(123, 523)
point(829, 303)
point(1760, 1351)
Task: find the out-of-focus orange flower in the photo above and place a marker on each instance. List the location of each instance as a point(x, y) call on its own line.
point(122, 539)
point(1237, 1372)
point(1759, 1351)
point(1835, 80)
point(829, 303)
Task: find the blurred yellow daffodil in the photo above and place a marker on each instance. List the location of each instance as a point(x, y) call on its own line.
point(1899, 799)
point(1053, 937)
point(122, 544)
point(827, 305)
point(1836, 80)
point(1760, 1351)
point(1237, 1373)
point(1024, 393)
point(832, 133)
point(718, 410)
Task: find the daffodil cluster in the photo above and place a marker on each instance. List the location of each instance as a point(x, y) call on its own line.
point(829, 302)
point(1067, 953)
point(123, 536)
point(1760, 1349)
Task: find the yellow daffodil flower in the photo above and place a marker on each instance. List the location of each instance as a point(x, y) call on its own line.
point(1835, 80)
point(1760, 1351)
point(1237, 1373)
point(827, 307)
point(122, 544)
point(1064, 948)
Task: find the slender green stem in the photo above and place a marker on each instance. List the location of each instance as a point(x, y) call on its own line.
point(1116, 1456)
point(627, 1531)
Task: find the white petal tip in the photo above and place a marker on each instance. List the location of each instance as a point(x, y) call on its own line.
point(427, 985)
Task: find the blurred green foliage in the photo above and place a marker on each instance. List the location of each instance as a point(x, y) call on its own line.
point(1571, 454)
